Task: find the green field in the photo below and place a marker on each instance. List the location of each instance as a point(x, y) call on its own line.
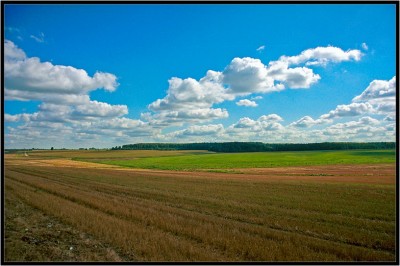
point(102, 154)
point(250, 160)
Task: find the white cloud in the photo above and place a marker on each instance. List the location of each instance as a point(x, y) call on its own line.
point(385, 107)
point(62, 89)
point(352, 109)
point(389, 118)
point(294, 78)
point(120, 123)
point(39, 38)
point(267, 129)
point(248, 75)
point(261, 48)
point(178, 117)
point(120, 127)
point(307, 121)
point(100, 109)
point(190, 100)
point(381, 94)
point(364, 121)
point(30, 76)
point(270, 118)
point(245, 122)
point(378, 89)
point(12, 52)
point(68, 113)
point(363, 128)
point(322, 55)
point(391, 127)
point(198, 131)
point(61, 99)
point(246, 102)
point(364, 46)
point(12, 118)
point(262, 124)
point(189, 93)
point(256, 98)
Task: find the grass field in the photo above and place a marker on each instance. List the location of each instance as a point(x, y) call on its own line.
point(250, 160)
point(102, 154)
point(104, 212)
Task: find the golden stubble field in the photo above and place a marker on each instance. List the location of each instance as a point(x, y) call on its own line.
point(57, 209)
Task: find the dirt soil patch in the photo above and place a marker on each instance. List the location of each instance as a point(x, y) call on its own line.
point(31, 235)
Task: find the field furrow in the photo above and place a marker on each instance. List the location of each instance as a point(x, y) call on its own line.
point(270, 214)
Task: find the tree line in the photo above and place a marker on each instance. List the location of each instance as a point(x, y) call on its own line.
point(257, 146)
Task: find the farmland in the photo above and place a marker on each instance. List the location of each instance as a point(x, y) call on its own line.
point(200, 206)
point(252, 159)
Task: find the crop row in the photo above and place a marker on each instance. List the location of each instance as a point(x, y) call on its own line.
point(150, 221)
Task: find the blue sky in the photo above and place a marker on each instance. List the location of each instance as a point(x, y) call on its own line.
point(98, 75)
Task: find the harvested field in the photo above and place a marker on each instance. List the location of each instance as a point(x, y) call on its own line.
point(306, 213)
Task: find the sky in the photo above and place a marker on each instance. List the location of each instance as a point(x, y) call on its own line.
point(105, 75)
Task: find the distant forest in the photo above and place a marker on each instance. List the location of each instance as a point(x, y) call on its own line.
point(257, 146)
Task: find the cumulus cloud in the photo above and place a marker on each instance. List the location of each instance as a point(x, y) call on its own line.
point(62, 99)
point(322, 55)
point(364, 127)
point(189, 100)
point(198, 131)
point(245, 122)
point(378, 89)
point(377, 99)
point(66, 113)
point(364, 121)
point(100, 109)
point(27, 78)
point(17, 117)
point(119, 123)
point(295, 78)
point(352, 109)
point(381, 94)
point(189, 93)
point(67, 110)
point(304, 77)
point(270, 118)
point(11, 118)
point(248, 75)
point(246, 102)
point(241, 77)
point(307, 121)
point(178, 117)
point(389, 118)
point(12, 52)
point(78, 133)
point(385, 107)
point(28, 75)
point(120, 127)
point(263, 123)
point(267, 129)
